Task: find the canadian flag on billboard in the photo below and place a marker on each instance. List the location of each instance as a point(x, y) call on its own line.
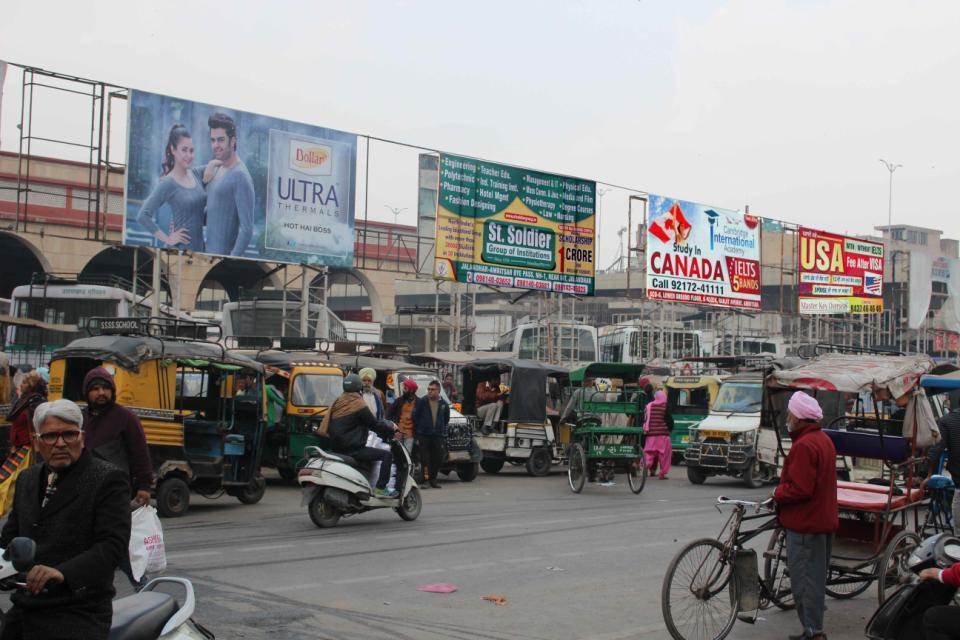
point(672, 226)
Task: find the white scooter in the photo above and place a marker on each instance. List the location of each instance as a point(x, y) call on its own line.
point(147, 615)
point(336, 485)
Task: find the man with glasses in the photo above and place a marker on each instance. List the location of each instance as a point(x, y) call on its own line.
point(75, 507)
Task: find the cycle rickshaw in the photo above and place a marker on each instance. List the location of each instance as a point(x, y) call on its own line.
point(607, 436)
point(712, 582)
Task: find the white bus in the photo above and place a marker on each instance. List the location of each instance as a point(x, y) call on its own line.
point(562, 343)
point(635, 344)
point(69, 305)
point(268, 318)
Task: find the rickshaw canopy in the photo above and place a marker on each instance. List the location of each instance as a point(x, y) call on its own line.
point(945, 382)
point(130, 352)
point(528, 385)
point(377, 364)
point(693, 381)
point(850, 373)
point(286, 360)
point(619, 370)
point(457, 358)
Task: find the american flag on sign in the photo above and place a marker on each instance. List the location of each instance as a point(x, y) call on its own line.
point(872, 283)
point(672, 226)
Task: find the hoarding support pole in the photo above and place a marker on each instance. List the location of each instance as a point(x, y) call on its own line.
point(305, 303)
point(156, 283)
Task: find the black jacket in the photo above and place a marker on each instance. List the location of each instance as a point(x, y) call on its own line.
point(84, 532)
point(949, 442)
point(349, 433)
point(423, 418)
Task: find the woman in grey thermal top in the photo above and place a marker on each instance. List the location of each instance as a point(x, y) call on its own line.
point(179, 188)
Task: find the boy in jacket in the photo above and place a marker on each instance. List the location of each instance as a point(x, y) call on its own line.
point(807, 506)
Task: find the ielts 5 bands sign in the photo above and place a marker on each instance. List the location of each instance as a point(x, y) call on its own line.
point(702, 255)
point(839, 274)
point(504, 226)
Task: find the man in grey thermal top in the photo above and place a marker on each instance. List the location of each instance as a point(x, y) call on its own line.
point(230, 195)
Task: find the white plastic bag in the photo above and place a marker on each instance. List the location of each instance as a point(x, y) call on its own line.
point(147, 551)
point(373, 440)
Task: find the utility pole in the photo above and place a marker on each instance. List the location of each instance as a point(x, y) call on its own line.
point(891, 168)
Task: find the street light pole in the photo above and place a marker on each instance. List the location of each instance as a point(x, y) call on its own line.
point(596, 227)
point(395, 211)
point(891, 168)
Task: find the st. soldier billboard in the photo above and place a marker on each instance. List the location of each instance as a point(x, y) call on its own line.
point(702, 255)
point(839, 274)
point(223, 182)
point(504, 226)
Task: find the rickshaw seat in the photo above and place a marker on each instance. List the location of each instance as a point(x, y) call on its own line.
point(870, 497)
point(858, 444)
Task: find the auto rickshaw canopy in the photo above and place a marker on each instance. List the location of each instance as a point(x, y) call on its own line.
point(130, 352)
point(619, 370)
point(528, 385)
point(849, 373)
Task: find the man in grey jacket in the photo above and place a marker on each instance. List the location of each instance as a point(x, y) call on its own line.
point(230, 196)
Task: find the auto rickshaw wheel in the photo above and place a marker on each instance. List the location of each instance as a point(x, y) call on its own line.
point(492, 465)
point(173, 497)
point(468, 471)
point(411, 505)
point(696, 475)
point(322, 514)
point(753, 476)
point(253, 492)
point(577, 467)
point(539, 462)
point(637, 474)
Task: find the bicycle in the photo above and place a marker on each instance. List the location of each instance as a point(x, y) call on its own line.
point(710, 582)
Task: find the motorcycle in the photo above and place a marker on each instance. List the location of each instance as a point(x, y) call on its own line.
point(900, 617)
point(146, 615)
point(335, 485)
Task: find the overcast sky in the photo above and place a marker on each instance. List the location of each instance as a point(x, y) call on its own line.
point(782, 105)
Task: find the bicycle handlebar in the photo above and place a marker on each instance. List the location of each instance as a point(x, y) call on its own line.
point(749, 504)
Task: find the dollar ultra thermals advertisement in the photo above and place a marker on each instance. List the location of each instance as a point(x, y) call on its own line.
point(223, 182)
point(702, 255)
point(839, 274)
point(509, 227)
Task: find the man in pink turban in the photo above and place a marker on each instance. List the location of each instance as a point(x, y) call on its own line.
point(807, 506)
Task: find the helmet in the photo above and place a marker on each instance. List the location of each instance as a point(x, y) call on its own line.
point(352, 384)
point(410, 385)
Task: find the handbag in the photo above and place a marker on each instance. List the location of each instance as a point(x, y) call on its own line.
point(147, 551)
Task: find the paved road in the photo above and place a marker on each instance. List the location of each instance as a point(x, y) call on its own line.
point(570, 566)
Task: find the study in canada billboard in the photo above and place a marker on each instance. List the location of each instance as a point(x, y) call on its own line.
point(219, 181)
point(702, 255)
point(504, 226)
point(839, 274)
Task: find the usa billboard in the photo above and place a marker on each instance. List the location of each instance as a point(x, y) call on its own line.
point(839, 274)
point(505, 226)
point(223, 182)
point(702, 255)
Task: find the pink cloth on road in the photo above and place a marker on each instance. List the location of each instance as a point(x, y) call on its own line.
point(804, 407)
point(658, 450)
point(438, 587)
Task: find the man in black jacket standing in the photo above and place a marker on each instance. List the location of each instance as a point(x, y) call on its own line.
point(431, 415)
point(949, 442)
point(76, 507)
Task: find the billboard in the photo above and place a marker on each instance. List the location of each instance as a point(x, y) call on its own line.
point(223, 182)
point(701, 255)
point(505, 226)
point(839, 274)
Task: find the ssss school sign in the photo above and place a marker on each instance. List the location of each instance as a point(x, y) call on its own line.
point(504, 226)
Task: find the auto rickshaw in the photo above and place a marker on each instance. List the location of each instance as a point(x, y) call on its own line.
point(463, 453)
point(201, 406)
point(689, 398)
point(520, 426)
point(602, 425)
point(302, 386)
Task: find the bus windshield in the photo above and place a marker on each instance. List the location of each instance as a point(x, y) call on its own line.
point(740, 397)
point(315, 389)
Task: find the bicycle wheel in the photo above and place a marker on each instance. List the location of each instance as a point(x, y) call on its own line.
point(699, 593)
point(892, 569)
point(776, 578)
point(577, 467)
point(637, 474)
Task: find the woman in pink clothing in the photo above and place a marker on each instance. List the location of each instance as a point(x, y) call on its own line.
point(657, 424)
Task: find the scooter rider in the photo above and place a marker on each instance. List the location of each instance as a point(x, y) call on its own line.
point(348, 423)
point(942, 622)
